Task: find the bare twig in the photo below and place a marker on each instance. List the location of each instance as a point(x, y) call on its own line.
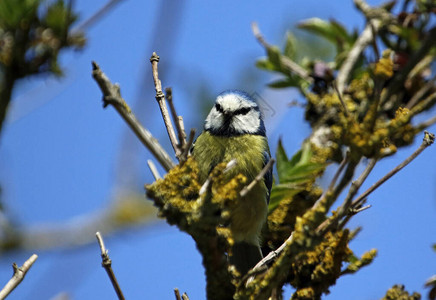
point(345, 206)
point(230, 165)
point(177, 294)
point(153, 169)
point(365, 38)
point(112, 95)
point(397, 82)
point(358, 210)
point(96, 16)
point(258, 178)
point(270, 257)
point(18, 276)
point(351, 212)
point(160, 97)
point(334, 179)
point(426, 124)
point(107, 265)
point(427, 141)
point(285, 61)
point(187, 146)
point(176, 119)
point(346, 112)
point(421, 92)
point(185, 296)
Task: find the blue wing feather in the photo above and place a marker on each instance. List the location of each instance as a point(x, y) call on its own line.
point(268, 178)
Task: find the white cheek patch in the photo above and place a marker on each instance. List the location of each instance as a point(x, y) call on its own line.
point(248, 123)
point(214, 119)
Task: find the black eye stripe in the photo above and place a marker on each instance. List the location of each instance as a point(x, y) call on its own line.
point(219, 108)
point(242, 111)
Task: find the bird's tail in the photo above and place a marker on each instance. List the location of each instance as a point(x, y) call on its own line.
point(245, 256)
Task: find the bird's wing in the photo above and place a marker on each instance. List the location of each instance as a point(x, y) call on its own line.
point(268, 178)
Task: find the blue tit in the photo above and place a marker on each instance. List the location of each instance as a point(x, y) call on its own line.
point(234, 129)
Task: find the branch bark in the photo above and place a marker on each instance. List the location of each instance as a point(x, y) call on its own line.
point(18, 276)
point(107, 265)
point(112, 95)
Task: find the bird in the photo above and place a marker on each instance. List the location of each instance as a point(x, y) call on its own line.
point(234, 129)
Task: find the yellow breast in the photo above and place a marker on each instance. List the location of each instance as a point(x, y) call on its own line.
point(250, 213)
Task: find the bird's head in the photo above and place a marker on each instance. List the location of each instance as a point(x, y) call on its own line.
point(235, 113)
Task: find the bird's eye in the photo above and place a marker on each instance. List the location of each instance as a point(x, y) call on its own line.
point(242, 111)
point(218, 107)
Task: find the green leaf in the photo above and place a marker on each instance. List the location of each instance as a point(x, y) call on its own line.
point(331, 31)
point(290, 48)
point(319, 27)
point(274, 57)
point(59, 18)
point(15, 14)
point(282, 159)
point(294, 174)
point(287, 82)
point(265, 64)
point(302, 173)
point(280, 192)
point(434, 247)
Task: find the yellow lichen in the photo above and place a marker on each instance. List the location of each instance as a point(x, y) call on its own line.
point(320, 267)
point(384, 67)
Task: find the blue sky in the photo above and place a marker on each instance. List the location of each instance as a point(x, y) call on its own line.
point(62, 155)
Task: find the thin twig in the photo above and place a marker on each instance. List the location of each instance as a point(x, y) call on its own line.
point(365, 38)
point(230, 165)
point(397, 82)
point(427, 141)
point(160, 97)
point(335, 178)
point(346, 112)
point(358, 210)
point(258, 178)
point(345, 206)
point(112, 95)
point(176, 119)
point(107, 265)
point(96, 16)
point(285, 61)
point(374, 43)
point(270, 257)
point(187, 146)
point(18, 276)
point(426, 124)
point(153, 169)
point(185, 296)
point(177, 294)
point(182, 126)
point(421, 92)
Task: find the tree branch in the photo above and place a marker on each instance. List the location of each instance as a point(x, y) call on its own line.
point(112, 95)
point(427, 141)
point(153, 169)
point(178, 120)
point(177, 294)
point(365, 38)
point(160, 97)
point(18, 276)
point(107, 265)
point(258, 178)
point(346, 204)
